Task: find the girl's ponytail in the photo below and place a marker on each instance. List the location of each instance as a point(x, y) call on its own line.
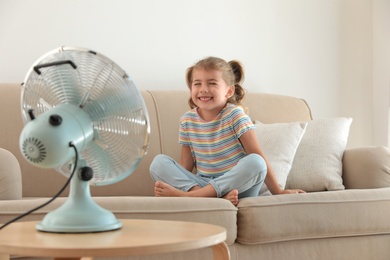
point(238, 72)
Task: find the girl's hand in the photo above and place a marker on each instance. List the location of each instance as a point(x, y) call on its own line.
point(295, 191)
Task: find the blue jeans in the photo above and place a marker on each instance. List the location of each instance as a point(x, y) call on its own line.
point(247, 176)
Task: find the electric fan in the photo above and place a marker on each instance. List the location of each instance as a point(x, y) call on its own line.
point(82, 115)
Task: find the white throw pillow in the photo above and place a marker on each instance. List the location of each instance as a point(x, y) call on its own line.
point(279, 143)
point(318, 161)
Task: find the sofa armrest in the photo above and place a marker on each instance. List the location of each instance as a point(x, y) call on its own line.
point(10, 176)
point(366, 167)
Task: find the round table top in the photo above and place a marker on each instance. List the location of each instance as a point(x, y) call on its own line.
point(136, 237)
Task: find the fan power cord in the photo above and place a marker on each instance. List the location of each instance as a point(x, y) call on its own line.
point(53, 198)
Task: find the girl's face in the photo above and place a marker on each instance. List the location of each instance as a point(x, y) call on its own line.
point(209, 92)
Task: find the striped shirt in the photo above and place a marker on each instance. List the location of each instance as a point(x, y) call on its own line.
point(215, 145)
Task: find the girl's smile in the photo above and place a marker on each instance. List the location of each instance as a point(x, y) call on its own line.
point(205, 98)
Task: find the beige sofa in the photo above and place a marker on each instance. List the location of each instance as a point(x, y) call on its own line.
point(344, 224)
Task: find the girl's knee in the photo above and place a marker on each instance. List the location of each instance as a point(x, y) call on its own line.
point(158, 162)
point(160, 158)
point(259, 165)
point(258, 162)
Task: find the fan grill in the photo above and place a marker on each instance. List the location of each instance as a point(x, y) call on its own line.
point(103, 90)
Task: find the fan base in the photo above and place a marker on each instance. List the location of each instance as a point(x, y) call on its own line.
point(79, 214)
point(73, 220)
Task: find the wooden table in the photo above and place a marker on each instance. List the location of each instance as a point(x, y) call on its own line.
point(136, 237)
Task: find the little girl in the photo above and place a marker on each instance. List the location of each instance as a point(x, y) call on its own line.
point(217, 139)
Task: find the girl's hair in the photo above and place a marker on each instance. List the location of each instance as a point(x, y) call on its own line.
point(232, 74)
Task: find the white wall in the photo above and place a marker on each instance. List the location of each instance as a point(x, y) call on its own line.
point(356, 59)
point(320, 50)
point(381, 71)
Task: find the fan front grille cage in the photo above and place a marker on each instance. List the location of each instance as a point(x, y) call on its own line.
point(110, 98)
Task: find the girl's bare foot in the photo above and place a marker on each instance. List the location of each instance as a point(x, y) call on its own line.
point(232, 196)
point(162, 189)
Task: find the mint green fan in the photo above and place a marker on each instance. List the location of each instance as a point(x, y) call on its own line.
point(82, 114)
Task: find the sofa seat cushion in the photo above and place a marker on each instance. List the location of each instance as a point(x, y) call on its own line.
point(313, 215)
point(211, 210)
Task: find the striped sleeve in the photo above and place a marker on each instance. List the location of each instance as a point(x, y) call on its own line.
point(241, 121)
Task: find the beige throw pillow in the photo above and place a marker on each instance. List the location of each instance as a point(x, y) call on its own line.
point(279, 143)
point(317, 164)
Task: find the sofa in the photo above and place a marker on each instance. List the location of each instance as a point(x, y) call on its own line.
point(346, 220)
